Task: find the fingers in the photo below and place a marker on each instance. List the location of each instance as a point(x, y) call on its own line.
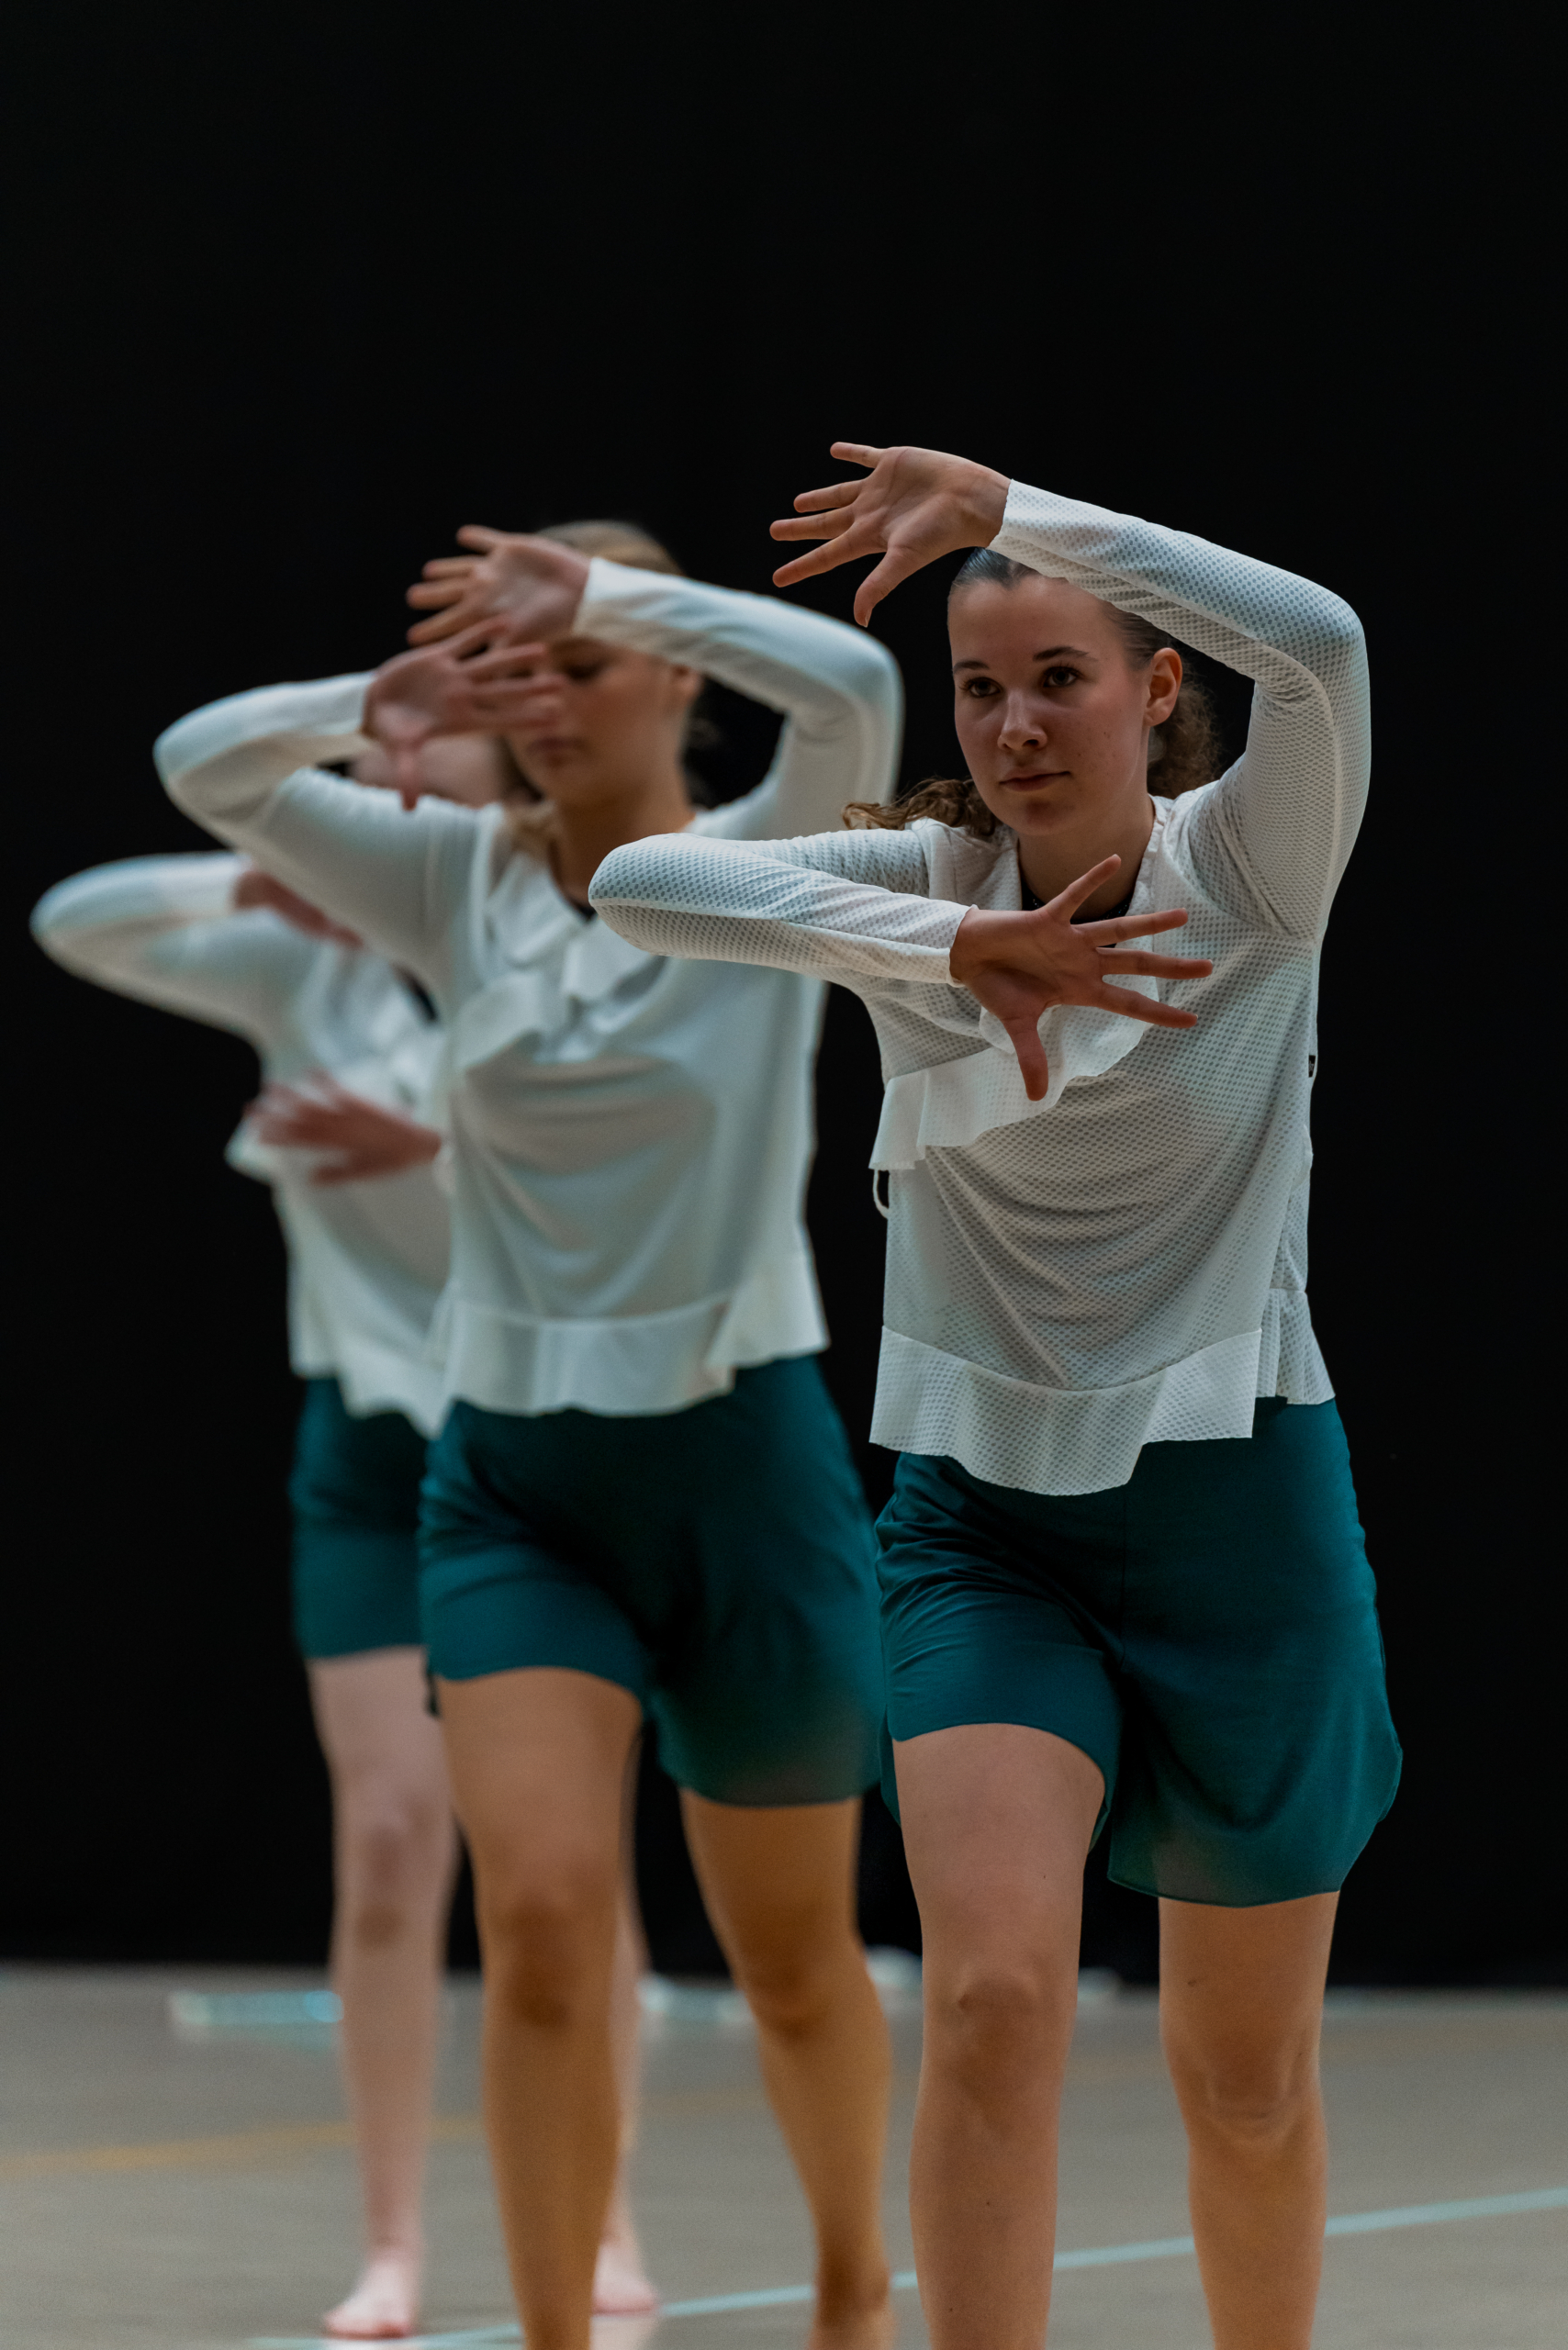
point(407, 777)
point(479, 535)
point(505, 661)
point(1067, 901)
point(812, 526)
point(822, 501)
point(857, 453)
point(350, 1167)
point(441, 624)
point(1033, 1066)
point(825, 558)
point(895, 565)
point(490, 629)
point(450, 567)
point(1157, 967)
point(1143, 1007)
point(1118, 926)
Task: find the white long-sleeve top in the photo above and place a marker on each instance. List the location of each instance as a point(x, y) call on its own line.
point(630, 1134)
point(1071, 1280)
point(367, 1260)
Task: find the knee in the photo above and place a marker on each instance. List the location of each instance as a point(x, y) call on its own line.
point(392, 1870)
point(1251, 2099)
point(990, 2011)
point(792, 1988)
point(548, 1946)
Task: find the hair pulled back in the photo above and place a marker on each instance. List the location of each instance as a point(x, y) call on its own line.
point(1185, 748)
point(614, 543)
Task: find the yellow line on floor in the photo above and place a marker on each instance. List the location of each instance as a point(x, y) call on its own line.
point(235, 2146)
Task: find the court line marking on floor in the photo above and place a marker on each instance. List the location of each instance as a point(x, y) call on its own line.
point(1346, 2223)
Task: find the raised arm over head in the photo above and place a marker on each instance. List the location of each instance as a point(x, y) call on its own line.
point(915, 505)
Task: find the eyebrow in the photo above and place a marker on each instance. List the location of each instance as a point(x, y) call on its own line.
point(1051, 653)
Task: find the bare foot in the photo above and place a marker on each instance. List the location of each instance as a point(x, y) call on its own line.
point(384, 2305)
point(620, 2287)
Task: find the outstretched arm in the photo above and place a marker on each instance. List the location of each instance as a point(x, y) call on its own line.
point(174, 931)
point(1277, 832)
point(815, 906)
point(839, 691)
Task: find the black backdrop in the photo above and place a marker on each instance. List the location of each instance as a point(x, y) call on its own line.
point(298, 292)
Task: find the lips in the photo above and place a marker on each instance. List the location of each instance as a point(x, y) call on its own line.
point(1039, 775)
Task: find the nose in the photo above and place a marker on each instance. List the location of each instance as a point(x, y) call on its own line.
point(1022, 724)
point(544, 699)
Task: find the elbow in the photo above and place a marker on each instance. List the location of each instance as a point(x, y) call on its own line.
point(877, 683)
point(1338, 636)
point(618, 877)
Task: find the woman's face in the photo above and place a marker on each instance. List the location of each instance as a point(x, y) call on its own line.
point(602, 722)
point(470, 769)
point(1053, 718)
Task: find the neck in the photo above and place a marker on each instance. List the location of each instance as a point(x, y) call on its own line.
point(586, 835)
point(1050, 862)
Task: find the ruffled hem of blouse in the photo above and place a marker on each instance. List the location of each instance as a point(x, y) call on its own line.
point(632, 1364)
point(373, 1378)
point(1087, 1441)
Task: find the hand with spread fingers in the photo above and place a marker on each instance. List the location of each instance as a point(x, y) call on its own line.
point(533, 585)
point(478, 683)
point(365, 1139)
point(254, 887)
point(914, 504)
point(1019, 964)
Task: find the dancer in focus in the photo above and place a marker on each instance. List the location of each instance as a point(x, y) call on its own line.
point(1123, 1579)
point(642, 1499)
point(343, 1133)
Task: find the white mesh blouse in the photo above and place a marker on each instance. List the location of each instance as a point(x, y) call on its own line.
point(366, 1260)
point(630, 1134)
point(1125, 1261)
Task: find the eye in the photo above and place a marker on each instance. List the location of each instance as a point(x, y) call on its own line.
point(1061, 674)
point(978, 689)
point(580, 672)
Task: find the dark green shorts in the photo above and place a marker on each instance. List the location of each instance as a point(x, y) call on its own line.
point(1207, 1634)
point(355, 1492)
point(716, 1561)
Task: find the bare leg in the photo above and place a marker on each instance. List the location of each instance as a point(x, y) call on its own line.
point(396, 1851)
point(621, 2286)
point(1241, 2006)
point(779, 1889)
point(997, 1821)
point(538, 1762)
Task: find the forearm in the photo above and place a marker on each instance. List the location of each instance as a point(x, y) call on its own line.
point(838, 689)
point(391, 876)
point(1293, 636)
point(163, 930)
point(712, 900)
point(1278, 832)
point(223, 762)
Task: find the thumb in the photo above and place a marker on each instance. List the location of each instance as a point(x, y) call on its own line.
point(408, 781)
point(1033, 1065)
point(882, 581)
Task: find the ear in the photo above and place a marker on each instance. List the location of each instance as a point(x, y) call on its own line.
point(1164, 685)
point(685, 685)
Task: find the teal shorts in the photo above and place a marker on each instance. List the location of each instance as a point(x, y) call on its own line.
point(1206, 1634)
point(717, 1561)
point(355, 1495)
